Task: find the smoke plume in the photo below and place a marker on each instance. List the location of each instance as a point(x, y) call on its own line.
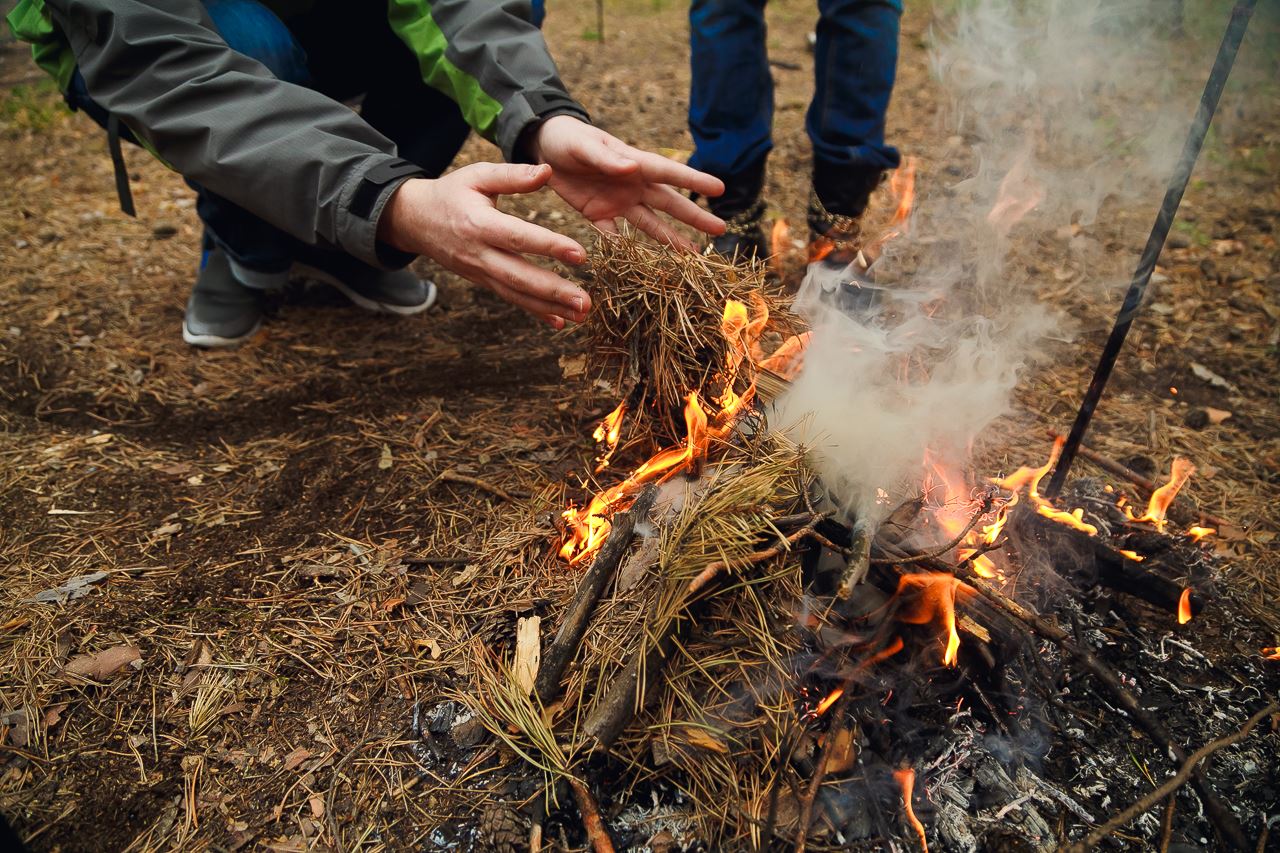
point(1058, 109)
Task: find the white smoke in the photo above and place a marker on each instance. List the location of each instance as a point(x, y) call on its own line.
point(1057, 108)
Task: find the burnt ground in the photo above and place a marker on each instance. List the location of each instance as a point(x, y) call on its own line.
point(252, 509)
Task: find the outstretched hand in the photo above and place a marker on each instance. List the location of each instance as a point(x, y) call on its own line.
point(453, 221)
point(605, 179)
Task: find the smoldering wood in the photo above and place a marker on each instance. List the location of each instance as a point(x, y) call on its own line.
point(1183, 510)
point(590, 589)
point(1224, 821)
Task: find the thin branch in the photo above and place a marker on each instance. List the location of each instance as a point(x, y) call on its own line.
point(451, 476)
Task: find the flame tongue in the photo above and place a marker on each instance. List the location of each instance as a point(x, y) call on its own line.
point(742, 328)
point(907, 781)
point(935, 602)
point(1184, 607)
point(1158, 506)
point(607, 434)
point(1031, 477)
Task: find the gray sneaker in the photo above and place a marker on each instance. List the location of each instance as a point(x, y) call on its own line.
point(221, 312)
point(389, 292)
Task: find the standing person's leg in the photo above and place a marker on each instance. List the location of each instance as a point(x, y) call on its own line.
point(731, 113)
point(855, 61)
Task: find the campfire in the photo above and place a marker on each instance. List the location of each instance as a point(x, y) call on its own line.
point(744, 665)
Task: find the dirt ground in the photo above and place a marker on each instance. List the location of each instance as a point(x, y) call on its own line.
point(254, 509)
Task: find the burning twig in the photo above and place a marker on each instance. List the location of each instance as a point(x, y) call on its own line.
point(1223, 819)
point(1183, 510)
point(983, 509)
point(1173, 783)
point(590, 589)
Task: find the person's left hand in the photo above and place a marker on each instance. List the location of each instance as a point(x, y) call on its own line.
point(604, 179)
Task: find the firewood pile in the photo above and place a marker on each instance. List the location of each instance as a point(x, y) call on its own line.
point(726, 661)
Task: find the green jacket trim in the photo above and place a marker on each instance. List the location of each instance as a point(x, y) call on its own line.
point(411, 20)
point(31, 22)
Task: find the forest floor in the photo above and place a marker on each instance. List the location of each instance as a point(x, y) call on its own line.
point(252, 509)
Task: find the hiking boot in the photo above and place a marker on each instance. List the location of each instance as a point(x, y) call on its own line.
point(742, 209)
point(743, 236)
point(222, 311)
point(838, 267)
point(382, 291)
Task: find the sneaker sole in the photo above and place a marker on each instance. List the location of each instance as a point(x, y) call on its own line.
point(210, 341)
point(363, 301)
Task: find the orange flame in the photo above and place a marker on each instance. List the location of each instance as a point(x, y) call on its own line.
point(607, 433)
point(1132, 555)
point(1031, 477)
point(1184, 607)
point(1180, 472)
point(1271, 652)
point(954, 515)
point(902, 182)
point(1196, 532)
point(826, 703)
point(907, 781)
point(788, 359)
point(588, 527)
point(935, 601)
point(778, 238)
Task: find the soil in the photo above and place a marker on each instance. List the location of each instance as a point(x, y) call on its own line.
point(253, 509)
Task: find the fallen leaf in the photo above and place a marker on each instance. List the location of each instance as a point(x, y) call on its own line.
point(1204, 373)
point(467, 575)
point(573, 365)
point(700, 737)
point(49, 318)
point(317, 806)
point(386, 460)
point(101, 438)
point(1216, 416)
point(77, 587)
point(528, 652)
point(1227, 247)
point(104, 664)
point(164, 531)
point(294, 760)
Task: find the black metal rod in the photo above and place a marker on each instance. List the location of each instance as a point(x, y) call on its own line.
point(1155, 243)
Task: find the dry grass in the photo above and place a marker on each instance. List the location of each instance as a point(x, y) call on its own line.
point(657, 322)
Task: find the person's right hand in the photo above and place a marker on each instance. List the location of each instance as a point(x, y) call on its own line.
point(453, 221)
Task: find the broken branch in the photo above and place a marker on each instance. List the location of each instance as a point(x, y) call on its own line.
point(590, 589)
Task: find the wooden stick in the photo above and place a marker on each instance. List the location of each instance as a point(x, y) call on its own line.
point(451, 476)
point(1172, 784)
point(590, 589)
point(591, 820)
point(1223, 819)
point(1182, 511)
point(713, 570)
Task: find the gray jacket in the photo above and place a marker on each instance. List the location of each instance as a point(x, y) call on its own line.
point(294, 157)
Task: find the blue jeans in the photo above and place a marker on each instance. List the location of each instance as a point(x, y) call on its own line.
point(731, 98)
point(346, 53)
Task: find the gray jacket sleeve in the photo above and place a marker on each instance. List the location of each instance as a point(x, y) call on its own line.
point(491, 60)
point(298, 159)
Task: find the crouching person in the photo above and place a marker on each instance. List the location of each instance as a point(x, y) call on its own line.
point(245, 100)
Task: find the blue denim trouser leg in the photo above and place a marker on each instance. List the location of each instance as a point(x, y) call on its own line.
point(855, 61)
point(731, 98)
